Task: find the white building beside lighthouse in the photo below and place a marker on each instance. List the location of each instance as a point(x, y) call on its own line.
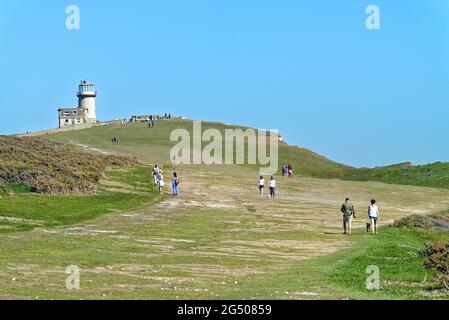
point(85, 112)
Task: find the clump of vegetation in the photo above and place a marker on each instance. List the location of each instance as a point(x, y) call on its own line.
point(6, 191)
point(434, 175)
point(52, 168)
point(437, 258)
point(415, 221)
point(443, 217)
point(438, 222)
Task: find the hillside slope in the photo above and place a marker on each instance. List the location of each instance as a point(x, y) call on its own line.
point(43, 166)
point(434, 175)
point(218, 239)
point(153, 144)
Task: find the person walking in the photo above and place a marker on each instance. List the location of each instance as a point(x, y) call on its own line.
point(155, 173)
point(373, 215)
point(160, 181)
point(284, 170)
point(272, 185)
point(261, 184)
point(290, 170)
point(348, 214)
point(175, 183)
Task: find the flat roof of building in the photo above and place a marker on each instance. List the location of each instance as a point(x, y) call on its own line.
point(70, 109)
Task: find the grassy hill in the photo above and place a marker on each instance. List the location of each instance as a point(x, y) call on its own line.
point(45, 183)
point(218, 239)
point(153, 143)
point(434, 175)
point(137, 139)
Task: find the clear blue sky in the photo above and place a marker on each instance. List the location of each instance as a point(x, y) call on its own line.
point(308, 68)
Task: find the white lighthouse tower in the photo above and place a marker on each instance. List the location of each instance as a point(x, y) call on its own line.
point(86, 100)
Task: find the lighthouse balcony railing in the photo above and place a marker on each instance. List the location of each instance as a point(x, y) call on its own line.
point(85, 92)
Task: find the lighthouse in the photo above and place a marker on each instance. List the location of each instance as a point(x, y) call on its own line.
point(86, 100)
point(85, 112)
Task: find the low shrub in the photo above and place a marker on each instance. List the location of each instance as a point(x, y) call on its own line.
point(52, 168)
point(415, 221)
point(437, 258)
point(6, 191)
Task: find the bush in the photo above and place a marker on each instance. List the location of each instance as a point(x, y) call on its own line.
point(415, 221)
point(5, 191)
point(52, 168)
point(438, 259)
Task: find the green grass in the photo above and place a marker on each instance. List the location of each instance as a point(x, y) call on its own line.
point(137, 139)
point(432, 175)
point(18, 188)
point(151, 253)
point(395, 251)
point(53, 210)
point(187, 247)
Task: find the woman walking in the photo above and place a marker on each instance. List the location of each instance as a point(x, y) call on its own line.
point(155, 173)
point(284, 170)
point(261, 184)
point(175, 183)
point(160, 181)
point(373, 215)
point(272, 185)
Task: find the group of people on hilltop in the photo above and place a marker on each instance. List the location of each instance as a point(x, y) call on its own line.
point(347, 208)
point(150, 118)
point(159, 180)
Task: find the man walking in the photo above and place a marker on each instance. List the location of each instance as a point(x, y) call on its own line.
point(348, 213)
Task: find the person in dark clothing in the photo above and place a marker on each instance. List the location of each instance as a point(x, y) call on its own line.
point(348, 214)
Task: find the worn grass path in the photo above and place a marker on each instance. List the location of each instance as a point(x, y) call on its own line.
point(217, 239)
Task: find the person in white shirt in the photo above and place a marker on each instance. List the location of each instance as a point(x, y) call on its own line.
point(155, 173)
point(261, 184)
point(160, 181)
point(272, 185)
point(373, 215)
